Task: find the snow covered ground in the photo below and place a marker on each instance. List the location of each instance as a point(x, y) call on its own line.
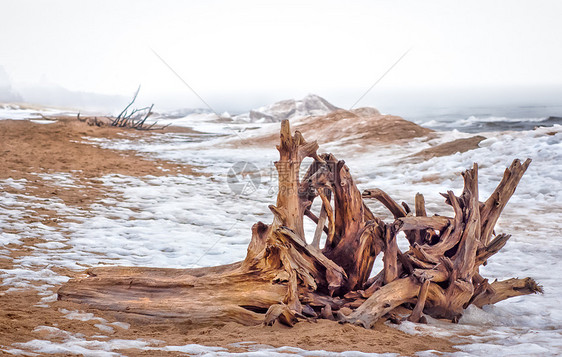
point(17, 112)
point(188, 221)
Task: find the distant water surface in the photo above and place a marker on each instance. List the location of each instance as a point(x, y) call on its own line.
point(485, 118)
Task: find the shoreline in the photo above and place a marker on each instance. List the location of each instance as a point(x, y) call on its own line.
point(35, 152)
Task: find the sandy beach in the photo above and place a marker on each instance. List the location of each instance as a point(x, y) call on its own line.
point(31, 152)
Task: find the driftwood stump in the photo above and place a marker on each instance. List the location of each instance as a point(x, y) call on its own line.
point(285, 279)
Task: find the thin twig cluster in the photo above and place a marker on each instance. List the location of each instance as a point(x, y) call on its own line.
point(135, 118)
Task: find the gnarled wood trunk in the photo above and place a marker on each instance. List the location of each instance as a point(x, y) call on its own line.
point(283, 278)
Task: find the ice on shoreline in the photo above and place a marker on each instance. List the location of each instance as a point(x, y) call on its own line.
point(185, 221)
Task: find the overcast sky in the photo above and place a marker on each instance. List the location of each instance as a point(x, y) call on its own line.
point(254, 52)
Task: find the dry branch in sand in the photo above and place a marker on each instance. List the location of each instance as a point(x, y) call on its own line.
point(285, 279)
point(128, 118)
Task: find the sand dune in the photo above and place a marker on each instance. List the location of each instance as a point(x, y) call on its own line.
point(362, 126)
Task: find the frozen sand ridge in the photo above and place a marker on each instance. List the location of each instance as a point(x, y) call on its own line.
point(289, 109)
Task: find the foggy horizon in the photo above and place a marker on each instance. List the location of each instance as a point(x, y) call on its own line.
point(246, 55)
point(391, 101)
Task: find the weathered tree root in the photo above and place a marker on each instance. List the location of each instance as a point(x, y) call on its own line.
point(283, 278)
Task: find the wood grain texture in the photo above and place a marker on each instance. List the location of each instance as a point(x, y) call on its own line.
point(285, 279)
